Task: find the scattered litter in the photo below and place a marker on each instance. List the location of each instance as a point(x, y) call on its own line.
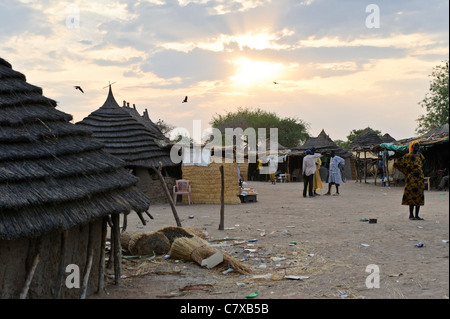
point(342, 294)
point(253, 295)
point(292, 243)
point(419, 244)
point(420, 227)
point(365, 245)
point(263, 266)
point(278, 258)
point(240, 284)
point(396, 275)
point(311, 255)
point(363, 219)
point(445, 241)
point(412, 239)
point(296, 277)
point(227, 271)
point(266, 276)
point(253, 240)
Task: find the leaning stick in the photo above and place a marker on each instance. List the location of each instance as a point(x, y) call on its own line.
point(166, 191)
point(62, 257)
point(30, 275)
point(90, 256)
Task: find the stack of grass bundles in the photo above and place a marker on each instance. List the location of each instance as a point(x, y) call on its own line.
point(197, 249)
point(173, 232)
point(140, 244)
point(205, 183)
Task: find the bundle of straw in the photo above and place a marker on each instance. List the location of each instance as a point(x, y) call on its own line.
point(149, 244)
point(173, 232)
point(196, 249)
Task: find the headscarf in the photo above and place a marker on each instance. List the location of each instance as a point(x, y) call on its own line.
point(308, 152)
point(411, 145)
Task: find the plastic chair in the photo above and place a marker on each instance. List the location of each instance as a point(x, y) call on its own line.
point(181, 187)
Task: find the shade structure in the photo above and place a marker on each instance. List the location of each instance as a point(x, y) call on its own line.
point(322, 144)
point(127, 135)
point(53, 174)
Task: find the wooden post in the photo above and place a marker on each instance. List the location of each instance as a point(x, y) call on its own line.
point(117, 248)
point(365, 167)
point(101, 268)
point(62, 264)
point(166, 191)
point(88, 266)
point(30, 273)
point(222, 199)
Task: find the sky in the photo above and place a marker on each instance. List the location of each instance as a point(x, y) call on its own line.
point(337, 65)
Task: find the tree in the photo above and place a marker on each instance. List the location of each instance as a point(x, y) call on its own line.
point(291, 131)
point(435, 101)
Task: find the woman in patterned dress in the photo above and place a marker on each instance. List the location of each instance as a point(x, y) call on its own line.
point(411, 165)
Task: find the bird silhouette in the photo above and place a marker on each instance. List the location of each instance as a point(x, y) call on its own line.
point(185, 99)
point(78, 88)
point(275, 82)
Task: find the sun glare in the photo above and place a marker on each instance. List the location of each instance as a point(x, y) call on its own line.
point(252, 72)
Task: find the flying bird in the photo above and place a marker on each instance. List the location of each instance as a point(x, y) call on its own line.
point(185, 99)
point(275, 82)
point(79, 88)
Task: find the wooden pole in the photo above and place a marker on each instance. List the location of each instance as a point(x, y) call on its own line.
point(88, 266)
point(101, 268)
point(117, 248)
point(166, 191)
point(62, 264)
point(365, 167)
point(30, 274)
point(222, 199)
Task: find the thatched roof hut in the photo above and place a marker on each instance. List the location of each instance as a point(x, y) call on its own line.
point(324, 145)
point(365, 141)
point(136, 140)
point(58, 185)
point(127, 135)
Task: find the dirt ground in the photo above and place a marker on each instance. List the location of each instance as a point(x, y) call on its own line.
point(332, 252)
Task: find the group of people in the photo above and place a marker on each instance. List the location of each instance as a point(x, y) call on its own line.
point(311, 176)
point(409, 164)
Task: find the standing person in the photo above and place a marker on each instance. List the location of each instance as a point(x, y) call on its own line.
point(411, 165)
point(334, 173)
point(317, 181)
point(308, 170)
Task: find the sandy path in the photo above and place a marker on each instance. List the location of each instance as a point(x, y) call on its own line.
point(329, 250)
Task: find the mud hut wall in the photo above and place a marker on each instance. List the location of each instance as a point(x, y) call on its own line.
point(205, 183)
point(16, 256)
point(150, 185)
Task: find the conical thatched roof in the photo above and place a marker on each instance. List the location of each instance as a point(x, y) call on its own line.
point(365, 140)
point(53, 174)
point(386, 138)
point(323, 144)
point(127, 135)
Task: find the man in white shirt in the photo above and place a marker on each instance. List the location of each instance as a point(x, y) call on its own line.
point(308, 170)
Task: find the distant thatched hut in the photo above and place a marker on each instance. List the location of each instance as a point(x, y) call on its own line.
point(366, 142)
point(324, 145)
point(58, 188)
point(136, 140)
